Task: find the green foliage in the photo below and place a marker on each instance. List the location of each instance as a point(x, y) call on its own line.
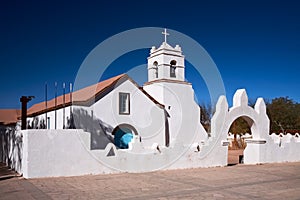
point(284, 115)
point(283, 112)
point(239, 127)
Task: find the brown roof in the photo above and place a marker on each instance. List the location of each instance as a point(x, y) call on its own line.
point(9, 116)
point(84, 96)
point(80, 96)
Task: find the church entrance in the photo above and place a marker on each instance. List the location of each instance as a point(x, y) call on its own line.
point(123, 134)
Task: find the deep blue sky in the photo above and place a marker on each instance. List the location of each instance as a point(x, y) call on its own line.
point(255, 44)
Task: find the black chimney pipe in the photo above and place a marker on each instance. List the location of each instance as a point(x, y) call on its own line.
point(24, 100)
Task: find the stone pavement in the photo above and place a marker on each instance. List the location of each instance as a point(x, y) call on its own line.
point(268, 181)
point(6, 173)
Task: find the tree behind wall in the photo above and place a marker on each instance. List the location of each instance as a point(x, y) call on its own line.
point(284, 115)
point(283, 112)
point(206, 113)
point(239, 127)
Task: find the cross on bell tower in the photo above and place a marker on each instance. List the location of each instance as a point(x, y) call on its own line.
point(165, 33)
point(166, 63)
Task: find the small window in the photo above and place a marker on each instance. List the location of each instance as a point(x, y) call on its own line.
point(124, 103)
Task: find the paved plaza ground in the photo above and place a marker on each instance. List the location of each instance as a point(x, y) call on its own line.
point(268, 181)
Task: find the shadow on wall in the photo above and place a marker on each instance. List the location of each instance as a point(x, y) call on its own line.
point(101, 133)
point(11, 147)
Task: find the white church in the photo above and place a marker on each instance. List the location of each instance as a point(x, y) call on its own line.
point(118, 126)
point(156, 112)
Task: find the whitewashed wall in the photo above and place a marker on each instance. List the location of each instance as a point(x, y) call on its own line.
point(184, 113)
point(51, 115)
point(145, 116)
point(47, 153)
point(262, 148)
point(274, 148)
point(52, 153)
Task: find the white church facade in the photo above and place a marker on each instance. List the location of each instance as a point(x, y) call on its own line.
point(117, 126)
point(105, 107)
point(156, 112)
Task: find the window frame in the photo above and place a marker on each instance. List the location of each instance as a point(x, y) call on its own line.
point(121, 112)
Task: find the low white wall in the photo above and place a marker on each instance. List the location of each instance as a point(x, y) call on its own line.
point(52, 153)
point(274, 148)
point(262, 148)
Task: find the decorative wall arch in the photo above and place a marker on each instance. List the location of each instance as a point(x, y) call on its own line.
point(256, 117)
point(123, 135)
point(120, 126)
point(248, 120)
point(249, 115)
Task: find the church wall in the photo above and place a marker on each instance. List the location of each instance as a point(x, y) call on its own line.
point(151, 74)
point(184, 113)
point(145, 116)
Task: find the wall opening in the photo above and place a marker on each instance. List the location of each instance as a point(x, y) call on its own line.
point(123, 134)
point(155, 64)
point(239, 131)
point(173, 69)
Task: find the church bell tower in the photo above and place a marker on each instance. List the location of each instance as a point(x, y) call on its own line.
point(166, 63)
point(167, 85)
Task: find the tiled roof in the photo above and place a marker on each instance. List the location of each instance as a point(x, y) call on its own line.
point(83, 96)
point(9, 116)
point(80, 96)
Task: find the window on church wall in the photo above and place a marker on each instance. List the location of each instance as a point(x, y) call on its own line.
point(173, 69)
point(124, 103)
point(155, 64)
